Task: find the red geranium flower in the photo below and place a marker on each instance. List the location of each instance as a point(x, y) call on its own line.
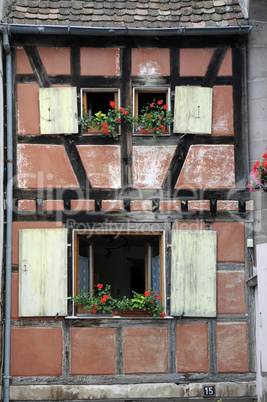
point(165, 107)
point(114, 313)
point(112, 104)
point(106, 297)
point(160, 102)
point(163, 315)
point(158, 297)
point(104, 124)
point(147, 293)
point(103, 300)
point(125, 112)
point(159, 117)
point(148, 116)
point(121, 109)
point(100, 285)
point(152, 105)
point(93, 310)
point(265, 155)
point(144, 131)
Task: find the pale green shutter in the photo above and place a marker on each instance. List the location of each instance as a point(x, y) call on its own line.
point(192, 110)
point(58, 110)
point(193, 273)
point(43, 272)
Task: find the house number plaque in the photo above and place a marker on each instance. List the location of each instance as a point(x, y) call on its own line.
point(208, 390)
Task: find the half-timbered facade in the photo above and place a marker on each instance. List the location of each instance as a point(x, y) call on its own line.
point(171, 214)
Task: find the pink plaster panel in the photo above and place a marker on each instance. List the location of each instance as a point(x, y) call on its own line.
point(36, 351)
point(230, 241)
point(222, 110)
point(141, 205)
point(194, 62)
point(150, 62)
point(150, 165)
point(44, 166)
point(14, 295)
point(192, 348)
point(112, 205)
point(232, 347)
point(82, 205)
point(102, 164)
point(208, 166)
point(56, 60)
point(53, 205)
point(26, 205)
point(17, 226)
point(93, 351)
point(28, 115)
point(231, 297)
point(145, 350)
point(171, 205)
point(227, 205)
point(226, 67)
point(23, 64)
point(199, 205)
point(100, 61)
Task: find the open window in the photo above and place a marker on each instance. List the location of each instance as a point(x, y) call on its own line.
point(125, 261)
point(144, 96)
point(95, 100)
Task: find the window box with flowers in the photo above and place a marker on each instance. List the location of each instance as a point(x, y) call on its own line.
point(101, 301)
point(258, 176)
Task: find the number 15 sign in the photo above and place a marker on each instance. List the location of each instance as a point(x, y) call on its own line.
point(209, 390)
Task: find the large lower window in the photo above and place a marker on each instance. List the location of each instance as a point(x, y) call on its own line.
point(127, 262)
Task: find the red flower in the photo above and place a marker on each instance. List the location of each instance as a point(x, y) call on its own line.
point(93, 310)
point(104, 124)
point(159, 117)
point(105, 131)
point(147, 293)
point(121, 109)
point(265, 155)
point(100, 285)
point(158, 297)
point(112, 104)
point(95, 305)
point(103, 300)
point(106, 297)
point(125, 112)
point(114, 313)
point(165, 107)
point(152, 105)
point(265, 164)
point(158, 129)
point(163, 315)
point(160, 102)
point(148, 116)
point(118, 120)
point(144, 131)
point(152, 302)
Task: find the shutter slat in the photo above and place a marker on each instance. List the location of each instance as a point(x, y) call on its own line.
point(193, 274)
point(43, 272)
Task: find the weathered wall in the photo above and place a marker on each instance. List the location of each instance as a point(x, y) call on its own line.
point(142, 182)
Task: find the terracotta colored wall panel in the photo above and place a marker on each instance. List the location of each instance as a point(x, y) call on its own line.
point(42, 166)
point(36, 351)
point(53, 205)
point(222, 111)
point(28, 109)
point(93, 351)
point(100, 61)
point(227, 205)
point(202, 205)
point(28, 225)
point(56, 60)
point(150, 165)
point(102, 165)
point(231, 297)
point(232, 347)
point(192, 348)
point(194, 62)
point(172, 205)
point(145, 351)
point(82, 205)
point(23, 64)
point(226, 67)
point(230, 241)
point(150, 62)
point(26, 205)
point(206, 173)
point(137, 205)
point(112, 205)
point(14, 295)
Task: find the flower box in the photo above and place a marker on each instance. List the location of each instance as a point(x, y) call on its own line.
point(136, 312)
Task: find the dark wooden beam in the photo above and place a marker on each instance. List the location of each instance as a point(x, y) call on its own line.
point(214, 67)
point(37, 66)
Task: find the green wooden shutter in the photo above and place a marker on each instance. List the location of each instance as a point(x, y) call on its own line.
point(58, 110)
point(193, 273)
point(192, 110)
point(43, 272)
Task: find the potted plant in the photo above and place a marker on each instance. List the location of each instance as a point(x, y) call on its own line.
point(147, 304)
point(154, 118)
point(109, 122)
point(97, 301)
point(258, 176)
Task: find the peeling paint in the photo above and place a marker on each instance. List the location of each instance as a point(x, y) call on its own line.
point(149, 68)
point(150, 165)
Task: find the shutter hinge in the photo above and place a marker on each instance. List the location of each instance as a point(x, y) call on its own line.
point(169, 245)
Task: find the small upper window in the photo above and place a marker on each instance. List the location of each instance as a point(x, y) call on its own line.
point(144, 97)
point(98, 100)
